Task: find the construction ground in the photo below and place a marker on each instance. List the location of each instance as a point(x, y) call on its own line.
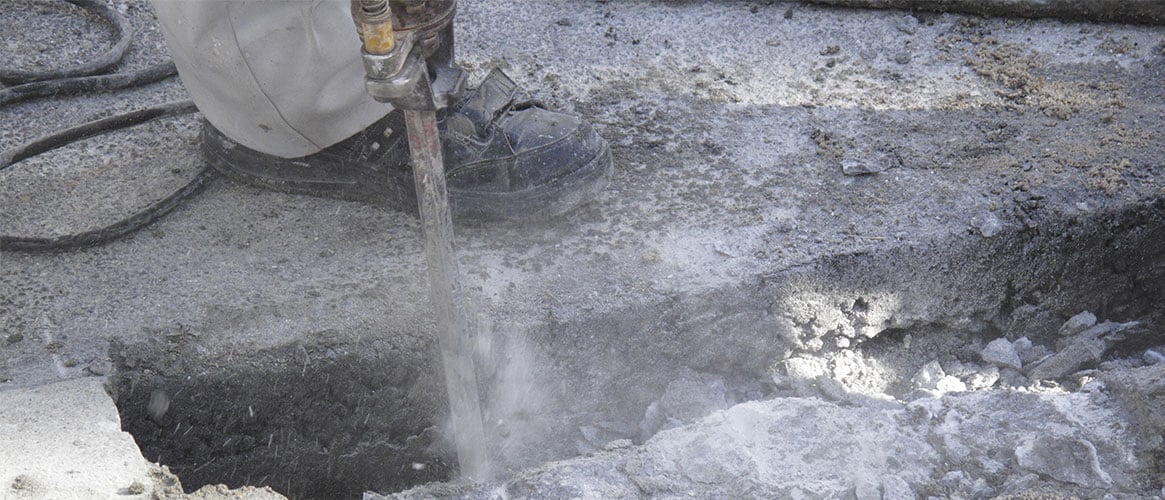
point(844, 254)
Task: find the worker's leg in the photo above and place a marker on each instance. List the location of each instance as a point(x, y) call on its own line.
point(281, 77)
point(282, 84)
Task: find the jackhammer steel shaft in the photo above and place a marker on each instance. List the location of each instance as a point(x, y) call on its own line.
point(397, 73)
point(454, 329)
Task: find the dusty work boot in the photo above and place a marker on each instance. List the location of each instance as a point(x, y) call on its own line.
point(504, 159)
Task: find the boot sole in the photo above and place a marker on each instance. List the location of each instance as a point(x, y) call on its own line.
point(546, 201)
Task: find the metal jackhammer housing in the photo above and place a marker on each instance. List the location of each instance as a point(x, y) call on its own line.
point(408, 52)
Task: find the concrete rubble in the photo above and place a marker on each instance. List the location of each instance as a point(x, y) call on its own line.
point(967, 445)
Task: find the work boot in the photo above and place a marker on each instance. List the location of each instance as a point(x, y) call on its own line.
point(504, 159)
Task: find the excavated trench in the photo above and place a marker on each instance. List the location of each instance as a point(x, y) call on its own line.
point(334, 416)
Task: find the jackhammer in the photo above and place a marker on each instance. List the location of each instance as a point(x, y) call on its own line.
point(408, 59)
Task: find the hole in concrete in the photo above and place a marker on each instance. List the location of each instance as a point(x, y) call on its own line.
point(335, 416)
point(308, 421)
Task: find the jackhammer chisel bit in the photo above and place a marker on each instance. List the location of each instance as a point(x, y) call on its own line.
point(408, 59)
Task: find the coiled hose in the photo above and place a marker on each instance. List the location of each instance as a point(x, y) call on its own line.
point(87, 78)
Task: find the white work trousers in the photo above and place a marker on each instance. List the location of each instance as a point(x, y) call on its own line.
point(283, 77)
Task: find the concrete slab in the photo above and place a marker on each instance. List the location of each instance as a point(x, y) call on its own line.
point(64, 440)
point(1012, 180)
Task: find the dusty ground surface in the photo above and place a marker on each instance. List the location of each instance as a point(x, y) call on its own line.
point(791, 182)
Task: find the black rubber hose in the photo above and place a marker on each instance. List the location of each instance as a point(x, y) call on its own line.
point(121, 30)
point(97, 236)
point(98, 83)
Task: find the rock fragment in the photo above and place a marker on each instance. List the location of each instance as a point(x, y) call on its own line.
point(981, 489)
point(1071, 460)
point(1029, 353)
point(1077, 323)
point(1010, 377)
point(1069, 360)
point(1084, 348)
point(983, 379)
point(931, 377)
point(1141, 391)
point(896, 488)
point(928, 376)
point(1000, 352)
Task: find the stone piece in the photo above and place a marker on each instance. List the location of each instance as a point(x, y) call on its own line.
point(1073, 357)
point(1071, 460)
point(983, 379)
point(1023, 347)
point(896, 488)
point(1010, 377)
point(1019, 483)
point(981, 489)
point(955, 481)
point(1001, 353)
point(802, 373)
point(832, 389)
point(950, 384)
point(1077, 323)
point(1141, 391)
point(928, 376)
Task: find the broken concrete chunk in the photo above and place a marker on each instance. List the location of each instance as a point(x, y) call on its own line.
point(1069, 360)
point(983, 379)
point(1071, 460)
point(1097, 330)
point(1023, 347)
point(1141, 391)
point(1010, 377)
point(1020, 482)
point(981, 489)
point(831, 388)
point(928, 376)
point(1077, 323)
point(955, 480)
point(1001, 353)
point(804, 368)
point(802, 373)
point(950, 384)
point(896, 488)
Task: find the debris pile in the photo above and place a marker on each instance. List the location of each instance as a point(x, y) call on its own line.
point(1024, 419)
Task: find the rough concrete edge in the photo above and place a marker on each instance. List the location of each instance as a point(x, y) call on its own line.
point(167, 486)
